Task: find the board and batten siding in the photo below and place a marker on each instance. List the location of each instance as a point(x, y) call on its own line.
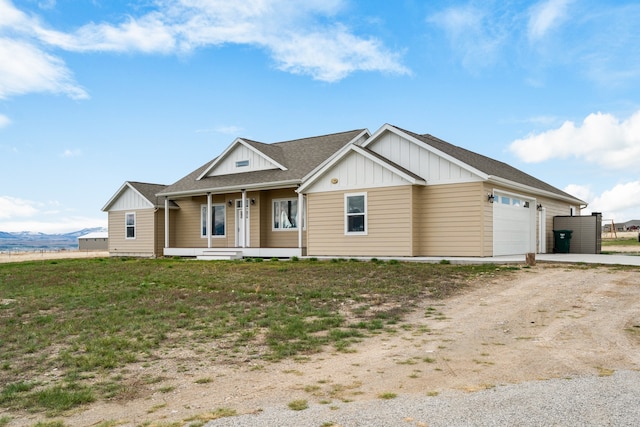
point(421, 161)
point(389, 224)
point(241, 153)
point(353, 172)
point(143, 245)
point(452, 220)
point(130, 200)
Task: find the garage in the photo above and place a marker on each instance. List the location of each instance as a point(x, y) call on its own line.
point(513, 225)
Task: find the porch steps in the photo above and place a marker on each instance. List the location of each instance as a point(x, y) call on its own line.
point(220, 254)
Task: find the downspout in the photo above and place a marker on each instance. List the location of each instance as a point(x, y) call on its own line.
point(166, 222)
point(209, 220)
point(244, 218)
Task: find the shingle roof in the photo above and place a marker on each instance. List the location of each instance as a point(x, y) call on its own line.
point(487, 165)
point(299, 156)
point(149, 191)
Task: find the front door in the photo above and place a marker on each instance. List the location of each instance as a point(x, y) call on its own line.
point(242, 224)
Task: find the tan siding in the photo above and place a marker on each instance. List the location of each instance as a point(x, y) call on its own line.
point(255, 225)
point(186, 233)
point(389, 224)
point(159, 230)
point(142, 245)
point(277, 238)
point(487, 223)
point(451, 220)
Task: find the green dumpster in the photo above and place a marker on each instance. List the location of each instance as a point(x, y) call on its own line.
point(562, 241)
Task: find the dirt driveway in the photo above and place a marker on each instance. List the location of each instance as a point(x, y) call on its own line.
point(549, 321)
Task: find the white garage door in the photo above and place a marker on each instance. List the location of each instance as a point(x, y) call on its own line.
point(513, 225)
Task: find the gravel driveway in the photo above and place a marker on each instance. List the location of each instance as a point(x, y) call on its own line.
point(585, 401)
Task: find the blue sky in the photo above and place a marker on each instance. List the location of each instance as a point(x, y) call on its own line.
point(97, 92)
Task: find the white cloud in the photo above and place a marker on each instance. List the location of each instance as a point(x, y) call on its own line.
point(620, 203)
point(4, 121)
point(32, 70)
point(11, 207)
point(71, 153)
point(601, 139)
point(475, 34)
point(45, 217)
point(229, 130)
point(148, 34)
point(582, 192)
point(52, 226)
point(333, 56)
point(545, 16)
point(597, 41)
point(295, 34)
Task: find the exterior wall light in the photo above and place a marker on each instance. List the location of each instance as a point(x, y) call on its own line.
point(490, 198)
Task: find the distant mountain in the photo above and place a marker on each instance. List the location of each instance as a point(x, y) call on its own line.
point(29, 240)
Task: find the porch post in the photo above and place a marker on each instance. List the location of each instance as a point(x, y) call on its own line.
point(300, 219)
point(244, 218)
point(209, 220)
point(166, 222)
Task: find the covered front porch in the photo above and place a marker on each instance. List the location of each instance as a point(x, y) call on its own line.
point(265, 223)
point(233, 253)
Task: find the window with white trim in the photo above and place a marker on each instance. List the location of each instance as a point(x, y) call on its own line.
point(355, 208)
point(218, 214)
point(285, 214)
point(130, 225)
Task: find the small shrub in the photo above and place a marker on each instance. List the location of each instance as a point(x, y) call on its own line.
point(298, 405)
point(295, 259)
point(387, 395)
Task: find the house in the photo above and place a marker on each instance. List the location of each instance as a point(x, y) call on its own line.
point(136, 220)
point(391, 193)
point(96, 241)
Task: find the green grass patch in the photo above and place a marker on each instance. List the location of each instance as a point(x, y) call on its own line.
point(633, 241)
point(86, 317)
point(298, 405)
point(387, 395)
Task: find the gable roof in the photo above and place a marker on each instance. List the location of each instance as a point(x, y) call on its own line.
point(387, 164)
point(299, 158)
point(270, 152)
point(144, 189)
point(495, 170)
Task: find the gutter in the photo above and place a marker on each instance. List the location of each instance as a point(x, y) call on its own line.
point(233, 189)
point(498, 180)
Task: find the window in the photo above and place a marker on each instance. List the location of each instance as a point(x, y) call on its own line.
point(242, 163)
point(218, 215)
point(355, 213)
point(285, 214)
point(130, 225)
